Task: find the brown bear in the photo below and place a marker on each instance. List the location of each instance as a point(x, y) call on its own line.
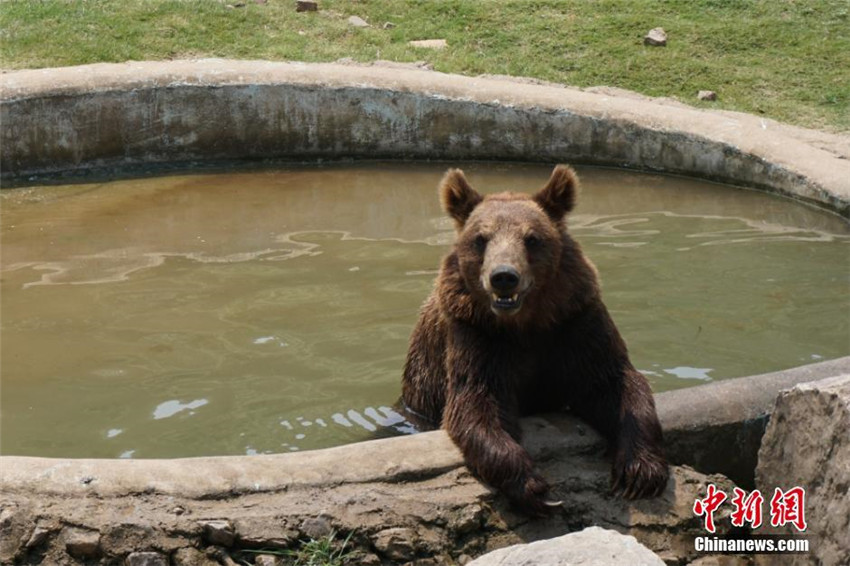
point(516, 325)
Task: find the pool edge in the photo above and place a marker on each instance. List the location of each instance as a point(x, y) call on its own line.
point(112, 116)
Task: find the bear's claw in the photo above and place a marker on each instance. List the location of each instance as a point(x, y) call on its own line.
point(529, 494)
point(640, 478)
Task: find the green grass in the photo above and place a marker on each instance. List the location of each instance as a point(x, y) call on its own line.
point(315, 552)
point(785, 59)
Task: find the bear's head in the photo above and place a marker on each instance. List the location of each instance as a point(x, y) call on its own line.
point(510, 245)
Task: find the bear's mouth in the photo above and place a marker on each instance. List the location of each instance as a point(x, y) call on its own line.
point(506, 303)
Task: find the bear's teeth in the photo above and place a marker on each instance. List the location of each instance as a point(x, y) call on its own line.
point(505, 300)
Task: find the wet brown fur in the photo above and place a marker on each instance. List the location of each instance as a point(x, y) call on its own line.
point(475, 371)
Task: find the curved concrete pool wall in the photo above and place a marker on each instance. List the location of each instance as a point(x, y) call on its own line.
point(114, 118)
point(119, 116)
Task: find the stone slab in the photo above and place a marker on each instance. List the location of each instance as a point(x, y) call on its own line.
point(807, 445)
point(592, 546)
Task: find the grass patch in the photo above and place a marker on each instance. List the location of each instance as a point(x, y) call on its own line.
point(784, 59)
point(325, 551)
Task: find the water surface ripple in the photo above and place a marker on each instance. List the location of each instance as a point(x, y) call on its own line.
point(269, 311)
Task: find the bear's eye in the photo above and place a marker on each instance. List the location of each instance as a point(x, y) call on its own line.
point(480, 243)
point(532, 242)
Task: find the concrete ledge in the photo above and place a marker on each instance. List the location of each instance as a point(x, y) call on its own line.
point(696, 423)
point(412, 490)
point(111, 117)
point(717, 428)
point(392, 460)
point(428, 507)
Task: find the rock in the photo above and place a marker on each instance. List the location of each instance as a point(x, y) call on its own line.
point(146, 559)
point(127, 537)
point(264, 533)
point(807, 444)
point(429, 43)
point(81, 543)
point(38, 537)
point(358, 22)
point(362, 558)
point(220, 556)
point(593, 545)
point(469, 519)
point(396, 543)
point(367, 559)
point(218, 532)
point(266, 560)
point(16, 523)
point(430, 540)
point(317, 527)
point(707, 95)
point(656, 37)
point(388, 25)
point(192, 557)
point(306, 6)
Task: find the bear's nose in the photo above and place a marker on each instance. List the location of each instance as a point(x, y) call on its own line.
point(504, 279)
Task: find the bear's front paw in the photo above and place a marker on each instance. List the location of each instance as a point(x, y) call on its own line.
point(528, 494)
point(644, 475)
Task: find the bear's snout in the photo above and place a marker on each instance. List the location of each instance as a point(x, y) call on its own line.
point(505, 288)
point(504, 279)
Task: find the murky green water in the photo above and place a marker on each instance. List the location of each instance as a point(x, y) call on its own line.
point(270, 311)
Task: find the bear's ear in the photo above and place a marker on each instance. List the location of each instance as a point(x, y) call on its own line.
point(458, 198)
point(558, 197)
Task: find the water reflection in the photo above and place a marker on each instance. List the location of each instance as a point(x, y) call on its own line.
point(300, 431)
point(172, 407)
point(684, 372)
